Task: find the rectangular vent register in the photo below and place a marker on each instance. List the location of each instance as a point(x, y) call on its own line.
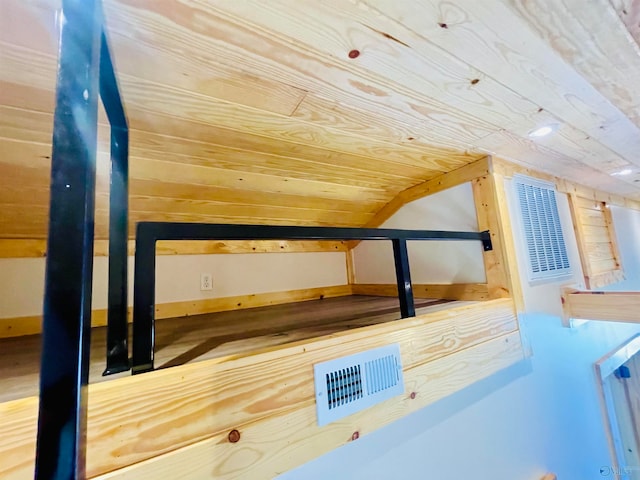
point(349, 384)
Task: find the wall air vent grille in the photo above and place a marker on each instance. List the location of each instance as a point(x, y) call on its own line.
point(349, 384)
point(546, 249)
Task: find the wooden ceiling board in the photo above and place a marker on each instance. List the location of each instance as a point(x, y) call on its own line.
point(490, 37)
point(255, 112)
point(592, 48)
point(267, 55)
point(629, 12)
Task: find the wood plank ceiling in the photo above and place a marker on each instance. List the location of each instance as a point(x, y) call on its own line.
point(307, 112)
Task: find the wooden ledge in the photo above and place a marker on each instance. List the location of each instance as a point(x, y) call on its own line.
point(597, 305)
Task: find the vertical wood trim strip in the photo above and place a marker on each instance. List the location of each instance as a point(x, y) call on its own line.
point(500, 264)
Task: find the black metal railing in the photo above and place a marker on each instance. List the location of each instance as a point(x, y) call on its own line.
point(148, 233)
point(85, 72)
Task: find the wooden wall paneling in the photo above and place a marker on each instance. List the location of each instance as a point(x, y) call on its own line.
point(218, 395)
point(168, 189)
point(613, 244)
point(273, 445)
point(253, 48)
point(160, 99)
point(597, 243)
point(500, 263)
point(350, 266)
point(454, 291)
point(609, 306)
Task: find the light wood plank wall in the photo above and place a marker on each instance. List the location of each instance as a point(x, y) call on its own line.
point(597, 242)
point(136, 431)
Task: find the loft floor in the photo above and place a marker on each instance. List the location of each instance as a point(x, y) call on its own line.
point(199, 337)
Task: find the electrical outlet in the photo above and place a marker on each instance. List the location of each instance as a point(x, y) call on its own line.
point(206, 282)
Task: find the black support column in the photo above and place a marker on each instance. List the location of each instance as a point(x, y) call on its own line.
point(66, 330)
point(117, 327)
point(144, 295)
point(403, 277)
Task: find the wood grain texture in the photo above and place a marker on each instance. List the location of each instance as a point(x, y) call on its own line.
point(597, 242)
point(31, 325)
point(276, 444)
point(26, 248)
point(461, 291)
point(254, 112)
point(232, 392)
point(182, 340)
point(499, 263)
point(507, 169)
point(610, 306)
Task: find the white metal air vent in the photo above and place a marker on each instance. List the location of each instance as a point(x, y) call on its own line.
point(349, 384)
point(546, 249)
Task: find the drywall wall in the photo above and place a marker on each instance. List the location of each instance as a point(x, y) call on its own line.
point(430, 262)
point(626, 224)
point(178, 277)
point(541, 415)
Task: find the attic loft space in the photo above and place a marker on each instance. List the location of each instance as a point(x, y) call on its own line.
point(203, 202)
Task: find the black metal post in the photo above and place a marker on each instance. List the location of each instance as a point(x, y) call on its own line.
point(403, 277)
point(66, 330)
point(144, 301)
point(117, 328)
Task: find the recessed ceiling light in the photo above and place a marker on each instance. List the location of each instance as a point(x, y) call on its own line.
point(626, 171)
point(542, 131)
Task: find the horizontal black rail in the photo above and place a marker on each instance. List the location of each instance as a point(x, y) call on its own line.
point(148, 233)
point(220, 231)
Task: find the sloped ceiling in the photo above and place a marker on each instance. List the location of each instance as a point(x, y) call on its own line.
point(320, 112)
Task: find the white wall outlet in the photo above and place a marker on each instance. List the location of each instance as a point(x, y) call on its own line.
point(206, 283)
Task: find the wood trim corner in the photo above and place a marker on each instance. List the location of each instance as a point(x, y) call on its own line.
point(455, 291)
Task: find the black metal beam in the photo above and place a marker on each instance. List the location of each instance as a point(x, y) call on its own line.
point(216, 231)
point(149, 232)
point(117, 327)
point(403, 278)
point(66, 329)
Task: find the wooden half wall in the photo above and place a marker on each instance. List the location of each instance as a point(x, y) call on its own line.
point(253, 416)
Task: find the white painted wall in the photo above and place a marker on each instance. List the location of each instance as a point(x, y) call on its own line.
point(545, 297)
point(541, 415)
point(626, 223)
point(430, 262)
point(178, 277)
